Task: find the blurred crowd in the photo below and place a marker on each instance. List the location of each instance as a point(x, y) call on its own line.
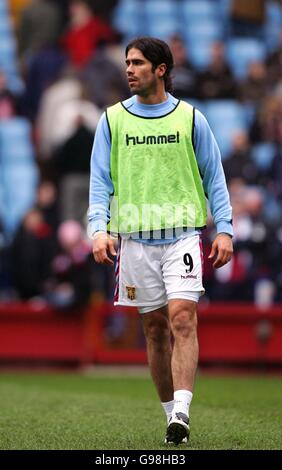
point(69, 66)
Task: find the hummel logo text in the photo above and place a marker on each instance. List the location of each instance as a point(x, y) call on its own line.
point(153, 139)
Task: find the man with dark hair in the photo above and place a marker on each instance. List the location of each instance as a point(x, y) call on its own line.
point(153, 160)
point(156, 52)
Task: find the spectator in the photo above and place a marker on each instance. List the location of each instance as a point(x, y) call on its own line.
point(274, 260)
point(41, 71)
point(217, 80)
point(32, 250)
point(72, 162)
point(6, 291)
point(256, 86)
point(250, 260)
point(275, 176)
point(247, 18)
point(69, 285)
point(61, 105)
point(39, 27)
point(239, 164)
point(274, 64)
point(267, 126)
point(85, 33)
point(46, 202)
point(109, 84)
point(184, 74)
point(104, 9)
point(16, 9)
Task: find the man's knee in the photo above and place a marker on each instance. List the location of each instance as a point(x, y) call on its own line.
point(157, 332)
point(183, 320)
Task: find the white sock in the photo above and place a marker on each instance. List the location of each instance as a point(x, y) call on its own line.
point(182, 401)
point(168, 407)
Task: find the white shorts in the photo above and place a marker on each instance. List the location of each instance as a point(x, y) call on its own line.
point(147, 276)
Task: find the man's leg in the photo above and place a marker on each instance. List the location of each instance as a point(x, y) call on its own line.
point(183, 321)
point(157, 333)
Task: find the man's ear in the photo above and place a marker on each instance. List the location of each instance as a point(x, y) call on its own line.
point(161, 70)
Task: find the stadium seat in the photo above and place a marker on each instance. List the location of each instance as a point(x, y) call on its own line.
point(8, 59)
point(4, 28)
point(161, 21)
point(206, 29)
point(127, 18)
point(19, 173)
point(273, 13)
point(167, 8)
point(15, 144)
point(225, 117)
point(250, 113)
point(272, 37)
point(273, 25)
point(199, 53)
point(225, 7)
point(3, 8)
point(200, 10)
point(7, 48)
point(163, 29)
point(263, 154)
point(19, 185)
point(200, 105)
point(241, 52)
point(230, 110)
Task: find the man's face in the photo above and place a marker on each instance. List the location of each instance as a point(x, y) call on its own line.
point(141, 79)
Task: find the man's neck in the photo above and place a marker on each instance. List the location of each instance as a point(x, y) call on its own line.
point(155, 98)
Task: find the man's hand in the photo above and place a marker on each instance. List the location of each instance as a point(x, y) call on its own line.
point(103, 244)
point(222, 249)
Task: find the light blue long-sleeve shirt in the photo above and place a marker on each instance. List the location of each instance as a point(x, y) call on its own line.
point(207, 155)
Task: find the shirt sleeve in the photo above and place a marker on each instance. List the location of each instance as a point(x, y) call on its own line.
point(101, 186)
point(211, 170)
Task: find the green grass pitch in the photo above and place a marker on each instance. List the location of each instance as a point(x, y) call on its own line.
point(68, 411)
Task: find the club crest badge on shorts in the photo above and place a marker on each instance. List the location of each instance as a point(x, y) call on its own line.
point(131, 292)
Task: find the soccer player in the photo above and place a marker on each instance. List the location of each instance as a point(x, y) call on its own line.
point(156, 158)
